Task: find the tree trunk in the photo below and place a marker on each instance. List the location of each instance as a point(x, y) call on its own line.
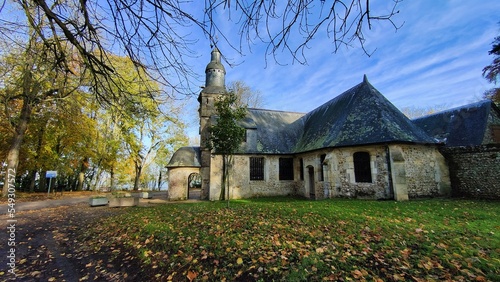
point(112, 178)
point(32, 180)
point(159, 181)
point(222, 196)
point(74, 182)
point(37, 156)
point(42, 182)
point(228, 166)
point(17, 140)
point(138, 171)
point(81, 175)
point(97, 179)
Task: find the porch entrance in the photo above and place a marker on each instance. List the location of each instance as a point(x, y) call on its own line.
point(194, 186)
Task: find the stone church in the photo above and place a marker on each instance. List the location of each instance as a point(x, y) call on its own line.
point(357, 145)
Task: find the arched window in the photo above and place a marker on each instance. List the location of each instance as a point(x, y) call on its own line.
point(362, 169)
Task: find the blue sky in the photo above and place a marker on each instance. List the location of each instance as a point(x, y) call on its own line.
point(435, 59)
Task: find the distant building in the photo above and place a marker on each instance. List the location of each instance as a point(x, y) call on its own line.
point(357, 145)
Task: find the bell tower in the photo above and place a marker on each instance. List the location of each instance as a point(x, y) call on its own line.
point(214, 88)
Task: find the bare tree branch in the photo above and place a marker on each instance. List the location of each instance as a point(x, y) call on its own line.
point(158, 35)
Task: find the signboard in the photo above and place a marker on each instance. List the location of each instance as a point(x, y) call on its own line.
point(50, 174)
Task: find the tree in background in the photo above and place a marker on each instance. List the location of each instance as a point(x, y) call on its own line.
point(492, 72)
point(59, 134)
point(85, 140)
point(31, 79)
point(226, 135)
point(245, 96)
point(136, 127)
point(416, 112)
point(175, 139)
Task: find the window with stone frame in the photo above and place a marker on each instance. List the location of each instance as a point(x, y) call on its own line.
point(322, 170)
point(256, 168)
point(301, 169)
point(362, 168)
point(286, 168)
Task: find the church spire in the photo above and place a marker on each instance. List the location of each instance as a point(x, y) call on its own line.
point(215, 72)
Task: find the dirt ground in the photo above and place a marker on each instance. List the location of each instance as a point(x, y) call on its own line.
point(22, 197)
point(48, 248)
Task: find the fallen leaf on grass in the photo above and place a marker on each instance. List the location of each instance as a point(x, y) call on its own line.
point(191, 275)
point(357, 274)
point(320, 250)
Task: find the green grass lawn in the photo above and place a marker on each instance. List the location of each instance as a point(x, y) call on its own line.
point(300, 240)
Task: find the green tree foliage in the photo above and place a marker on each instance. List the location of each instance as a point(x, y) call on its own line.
point(226, 135)
point(88, 142)
point(136, 127)
point(31, 79)
point(58, 135)
point(492, 72)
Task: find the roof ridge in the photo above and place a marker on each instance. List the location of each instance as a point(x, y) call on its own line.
point(279, 111)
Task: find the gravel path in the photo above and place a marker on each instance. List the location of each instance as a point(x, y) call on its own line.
point(49, 245)
point(48, 248)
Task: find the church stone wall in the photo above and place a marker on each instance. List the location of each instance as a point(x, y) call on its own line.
point(178, 182)
point(334, 177)
point(414, 171)
point(270, 186)
point(421, 170)
point(426, 171)
point(240, 184)
point(343, 175)
point(474, 171)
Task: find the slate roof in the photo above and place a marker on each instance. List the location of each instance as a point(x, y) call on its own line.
point(462, 126)
point(186, 157)
point(277, 131)
point(359, 116)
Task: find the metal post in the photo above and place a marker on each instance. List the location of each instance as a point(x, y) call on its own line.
point(50, 182)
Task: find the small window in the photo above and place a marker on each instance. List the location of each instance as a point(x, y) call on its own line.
point(362, 169)
point(286, 169)
point(301, 169)
point(321, 172)
point(256, 168)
